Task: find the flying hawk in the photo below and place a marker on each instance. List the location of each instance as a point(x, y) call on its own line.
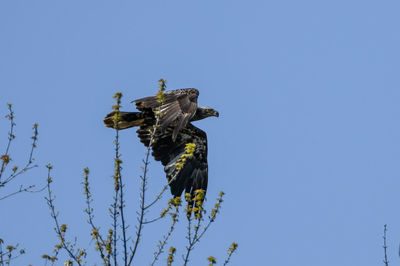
point(176, 112)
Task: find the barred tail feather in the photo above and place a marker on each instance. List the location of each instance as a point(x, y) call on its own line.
point(125, 120)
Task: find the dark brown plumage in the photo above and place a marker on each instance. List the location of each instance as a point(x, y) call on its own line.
point(178, 110)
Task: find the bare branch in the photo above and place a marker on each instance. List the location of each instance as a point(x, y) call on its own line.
point(385, 260)
point(28, 165)
point(60, 230)
point(160, 95)
point(100, 243)
point(9, 254)
point(198, 210)
point(6, 158)
point(231, 250)
point(23, 189)
point(176, 202)
point(142, 204)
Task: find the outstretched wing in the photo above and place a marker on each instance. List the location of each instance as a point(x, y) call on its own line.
point(177, 109)
point(194, 174)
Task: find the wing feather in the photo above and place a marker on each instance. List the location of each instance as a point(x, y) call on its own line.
point(177, 109)
point(194, 174)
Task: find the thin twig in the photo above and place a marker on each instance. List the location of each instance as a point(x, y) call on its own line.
point(1, 252)
point(28, 165)
point(100, 243)
point(146, 162)
point(11, 117)
point(162, 244)
point(231, 250)
point(115, 223)
point(153, 220)
point(10, 256)
point(119, 202)
point(117, 162)
point(385, 260)
point(193, 241)
point(198, 210)
point(60, 233)
point(11, 136)
point(20, 190)
point(204, 231)
point(197, 201)
point(142, 203)
point(159, 195)
point(121, 196)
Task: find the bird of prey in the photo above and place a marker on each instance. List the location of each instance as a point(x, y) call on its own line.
point(175, 114)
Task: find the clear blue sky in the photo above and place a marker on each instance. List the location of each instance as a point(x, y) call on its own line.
point(307, 145)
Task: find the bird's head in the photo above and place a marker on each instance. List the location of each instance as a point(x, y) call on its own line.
point(204, 112)
point(208, 111)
